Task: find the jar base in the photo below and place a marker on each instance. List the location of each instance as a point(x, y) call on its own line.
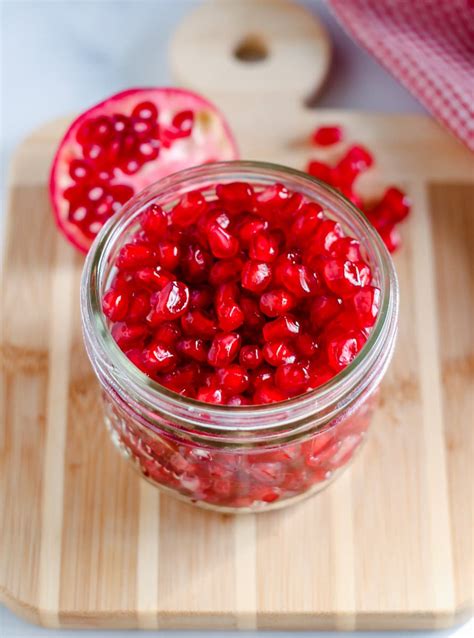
point(255, 508)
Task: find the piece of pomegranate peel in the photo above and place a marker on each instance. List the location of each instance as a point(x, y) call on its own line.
point(125, 143)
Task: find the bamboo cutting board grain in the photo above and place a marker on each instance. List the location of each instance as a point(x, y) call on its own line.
point(84, 542)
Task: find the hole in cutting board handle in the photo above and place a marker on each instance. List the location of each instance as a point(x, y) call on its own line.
point(252, 48)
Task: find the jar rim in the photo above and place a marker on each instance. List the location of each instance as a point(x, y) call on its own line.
point(292, 412)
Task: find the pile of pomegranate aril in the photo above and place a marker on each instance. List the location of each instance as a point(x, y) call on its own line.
point(385, 215)
point(111, 142)
point(243, 296)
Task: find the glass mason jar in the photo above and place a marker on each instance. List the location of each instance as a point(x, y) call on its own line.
point(237, 458)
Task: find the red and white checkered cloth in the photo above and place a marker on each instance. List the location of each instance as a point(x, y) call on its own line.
point(428, 45)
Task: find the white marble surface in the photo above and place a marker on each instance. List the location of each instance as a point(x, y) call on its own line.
point(59, 56)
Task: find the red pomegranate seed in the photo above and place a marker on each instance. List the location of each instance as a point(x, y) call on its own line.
point(250, 357)
point(221, 243)
point(301, 281)
point(182, 123)
point(128, 335)
point(133, 256)
point(366, 305)
point(169, 254)
point(196, 323)
point(196, 263)
point(256, 275)
point(233, 379)
point(323, 309)
point(225, 270)
point(139, 307)
point(224, 349)
point(272, 196)
point(193, 348)
point(327, 135)
point(397, 202)
point(230, 315)
point(264, 246)
point(252, 316)
point(262, 376)
point(211, 395)
point(159, 358)
point(235, 194)
point(191, 206)
point(319, 170)
point(278, 352)
point(306, 344)
point(284, 327)
point(305, 223)
point(201, 297)
point(268, 393)
point(346, 248)
point(115, 305)
point(391, 237)
point(277, 302)
point(344, 277)
point(359, 155)
point(167, 333)
point(327, 233)
point(145, 110)
point(154, 221)
point(249, 226)
point(292, 378)
point(154, 278)
point(293, 205)
point(319, 374)
point(171, 302)
point(342, 348)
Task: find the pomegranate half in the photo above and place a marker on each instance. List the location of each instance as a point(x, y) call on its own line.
point(125, 143)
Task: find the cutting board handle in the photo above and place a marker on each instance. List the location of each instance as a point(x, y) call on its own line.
point(255, 48)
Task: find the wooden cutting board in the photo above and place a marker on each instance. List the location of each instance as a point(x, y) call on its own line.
point(84, 542)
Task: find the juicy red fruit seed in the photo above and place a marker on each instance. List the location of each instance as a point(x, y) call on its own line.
point(115, 305)
point(250, 357)
point(292, 378)
point(159, 358)
point(342, 349)
point(224, 349)
point(235, 194)
point(189, 209)
point(344, 277)
point(256, 275)
point(276, 302)
point(221, 243)
point(276, 353)
point(327, 135)
point(233, 379)
point(282, 328)
point(264, 246)
point(171, 302)
point(154, 221)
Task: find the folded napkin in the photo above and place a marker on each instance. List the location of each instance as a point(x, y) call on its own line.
point(428, 45)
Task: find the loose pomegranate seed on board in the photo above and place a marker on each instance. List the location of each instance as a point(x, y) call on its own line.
point(244, 295)
point(327, 135)
point(386, 214)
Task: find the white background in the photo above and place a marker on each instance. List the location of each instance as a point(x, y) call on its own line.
point(59, 56)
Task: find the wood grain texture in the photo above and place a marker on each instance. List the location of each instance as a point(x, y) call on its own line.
point(85, 543)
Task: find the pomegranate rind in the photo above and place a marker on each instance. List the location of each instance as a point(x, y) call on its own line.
point(211, 140)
